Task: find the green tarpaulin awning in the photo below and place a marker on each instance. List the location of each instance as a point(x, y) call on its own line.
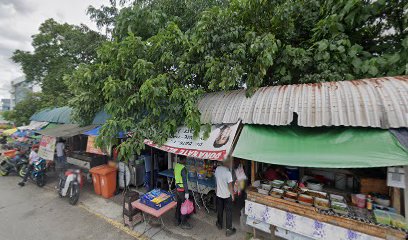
point(320, 147)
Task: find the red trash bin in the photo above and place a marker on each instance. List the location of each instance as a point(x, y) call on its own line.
point(96, 178)
point(108, 181)
point(104, 178)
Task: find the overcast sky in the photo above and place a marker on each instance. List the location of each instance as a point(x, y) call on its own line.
point(20, 19)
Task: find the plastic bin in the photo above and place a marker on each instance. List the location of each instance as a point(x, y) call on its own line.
point(107, 180)
point(96, 178)
point(293, 173)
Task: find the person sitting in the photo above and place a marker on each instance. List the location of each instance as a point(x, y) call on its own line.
point(275, 173)
point(16, 157)
point(33, 158)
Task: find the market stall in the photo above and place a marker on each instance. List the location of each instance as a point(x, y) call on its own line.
point(76, 145)
point(304, 205)
point(202, 158)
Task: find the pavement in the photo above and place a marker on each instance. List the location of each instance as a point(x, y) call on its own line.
point(39, 213)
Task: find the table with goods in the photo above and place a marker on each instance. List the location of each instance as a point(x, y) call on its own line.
point(201, 180)
point(155, 204)
point(320, 214)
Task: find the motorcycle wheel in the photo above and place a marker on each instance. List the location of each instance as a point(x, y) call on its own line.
point(40, 180)
point(22, 171)
point(73, 194)
point(3, 172)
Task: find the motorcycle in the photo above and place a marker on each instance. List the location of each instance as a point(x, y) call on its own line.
point(38, 174)
point(15, 164)
point(70, 184)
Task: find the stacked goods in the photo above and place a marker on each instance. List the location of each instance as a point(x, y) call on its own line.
point(156, 198)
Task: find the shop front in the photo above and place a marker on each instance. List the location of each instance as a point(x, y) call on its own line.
point(76, 145)
point(202, 158)
point(324, 183)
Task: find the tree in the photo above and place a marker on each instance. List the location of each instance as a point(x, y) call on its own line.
point(58, 50)
point(23, 110)
point(105, 16)
point(163, 56)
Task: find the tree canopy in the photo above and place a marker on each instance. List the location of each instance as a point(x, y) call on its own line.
point(164, 54)
point(58, 50)
point(22, 112)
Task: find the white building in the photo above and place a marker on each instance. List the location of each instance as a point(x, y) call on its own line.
point(19, 90)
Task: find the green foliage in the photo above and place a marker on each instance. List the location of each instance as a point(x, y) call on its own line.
point(164, 54)
point(23, 110)
point(58, 50)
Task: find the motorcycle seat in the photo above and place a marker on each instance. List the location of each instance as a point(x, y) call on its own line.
point(71, 171)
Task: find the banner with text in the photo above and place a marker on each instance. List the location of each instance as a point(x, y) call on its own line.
point(216, 147)
point(47, 147)
point(91, 148)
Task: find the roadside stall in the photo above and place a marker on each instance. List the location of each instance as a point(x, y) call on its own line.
point(76, 145)
point(306, 206)
point(202, 155)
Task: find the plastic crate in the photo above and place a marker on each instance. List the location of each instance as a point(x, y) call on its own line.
point(147, 198)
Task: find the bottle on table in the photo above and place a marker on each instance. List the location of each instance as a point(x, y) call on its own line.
point(369, 203)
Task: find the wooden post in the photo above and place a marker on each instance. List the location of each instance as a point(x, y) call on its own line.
point(396, 199)
point(252, 172)
point(406, 193)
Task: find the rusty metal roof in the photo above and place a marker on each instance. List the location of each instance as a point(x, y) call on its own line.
point(376, 102)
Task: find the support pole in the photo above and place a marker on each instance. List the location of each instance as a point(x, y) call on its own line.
point(252, 172)
point(152, 169)
point(169, 163)
point(406, 193)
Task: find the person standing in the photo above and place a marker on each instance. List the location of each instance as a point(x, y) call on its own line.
point(181, 178)
point(33, 158)
point(225, 197)
point(60, 163)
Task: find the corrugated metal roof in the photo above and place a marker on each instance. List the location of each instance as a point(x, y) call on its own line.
point(376, 102)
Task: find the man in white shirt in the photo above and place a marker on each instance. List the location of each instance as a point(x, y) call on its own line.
point(60, 163)
point(225, 197)
point(33, 158)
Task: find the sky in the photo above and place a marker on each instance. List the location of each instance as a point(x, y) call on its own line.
point(20, 19)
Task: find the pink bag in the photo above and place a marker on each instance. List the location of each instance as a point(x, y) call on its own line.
point(187, 207)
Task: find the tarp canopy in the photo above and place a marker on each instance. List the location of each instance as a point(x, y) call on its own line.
point(65, 130)
point(320, 147)
point(8, 132)
point(100, 118)
point(95, 132)
point(34, 125)
point(55, 115)
point(51, 125)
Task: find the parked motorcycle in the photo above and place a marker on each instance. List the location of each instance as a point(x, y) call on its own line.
point(15, 164)
point(38, 174)
point(70, 184)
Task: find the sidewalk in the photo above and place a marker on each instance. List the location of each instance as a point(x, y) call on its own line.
point(203, 223)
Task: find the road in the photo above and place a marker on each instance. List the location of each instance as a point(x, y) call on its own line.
point(33, 213)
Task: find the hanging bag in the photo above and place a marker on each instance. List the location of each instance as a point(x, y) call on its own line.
point(187, 207)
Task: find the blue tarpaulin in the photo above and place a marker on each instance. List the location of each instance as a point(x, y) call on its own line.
point(95, 132)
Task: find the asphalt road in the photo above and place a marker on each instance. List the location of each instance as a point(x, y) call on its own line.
point(33, 213)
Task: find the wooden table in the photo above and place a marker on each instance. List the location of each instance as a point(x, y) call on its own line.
point(156, 213)
point(310, 212)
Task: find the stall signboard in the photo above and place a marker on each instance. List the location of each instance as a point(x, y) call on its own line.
point(47, 147)
point(91, 148)
point(216, 147)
